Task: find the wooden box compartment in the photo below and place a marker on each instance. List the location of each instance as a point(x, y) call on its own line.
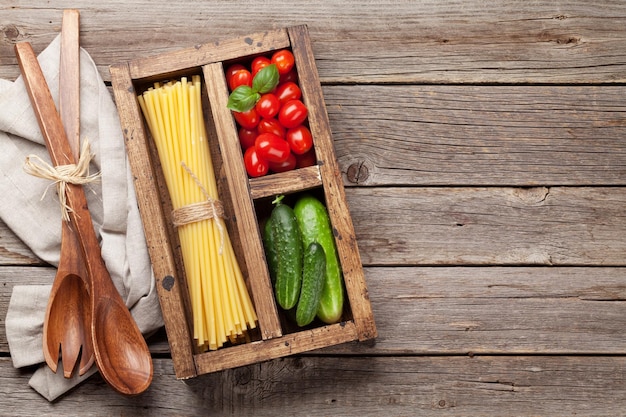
point(245, 201)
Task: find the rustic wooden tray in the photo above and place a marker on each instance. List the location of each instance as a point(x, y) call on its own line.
point(244, 200)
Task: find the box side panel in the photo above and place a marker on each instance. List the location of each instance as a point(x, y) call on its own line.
point(246, 221)
point(290, 344)
point(337, 207)
point(170, 285)
point(199, 55)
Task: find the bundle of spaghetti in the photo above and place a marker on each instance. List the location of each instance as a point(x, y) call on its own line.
point(221, 306)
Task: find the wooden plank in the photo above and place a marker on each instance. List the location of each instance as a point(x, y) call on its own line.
point(504, 310)
point(427, 42)
point(169, 277)
point(285, 182)
point(462, 310)
point(239, 190)
point(335, 197)
point(13, 251)
point(481, 226)
point(479, 135)
point(157, 66)
point(321, 386)
point(288, 344)
point(490, 226)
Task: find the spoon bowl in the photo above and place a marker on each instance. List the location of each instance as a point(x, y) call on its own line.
point(129, 370)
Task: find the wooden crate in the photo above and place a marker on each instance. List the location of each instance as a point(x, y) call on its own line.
point(244, 199)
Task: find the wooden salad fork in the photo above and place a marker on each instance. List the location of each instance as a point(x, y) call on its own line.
point(66, 327)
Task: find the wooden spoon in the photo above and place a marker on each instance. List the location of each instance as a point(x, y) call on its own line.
point(67, 324)
point(121, 352)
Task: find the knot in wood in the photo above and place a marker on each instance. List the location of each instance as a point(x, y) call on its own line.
point(357, 173)
point(11, 33)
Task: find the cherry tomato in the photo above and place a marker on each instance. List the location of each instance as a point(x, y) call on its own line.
point(268, 106)
point(247, 137)
point(288, 91)
point(306, 160)
point(272, 148)
point(284, 61)
point(288, 165)
point(248, 119)
point(259, 63)
point(240, 77)
point(271, 126)
point(230, 71)
point(299, 139)
point(255, 166)
point(291, 76)
point(292, 114)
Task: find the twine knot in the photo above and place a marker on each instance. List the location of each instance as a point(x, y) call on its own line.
point(210, 208)
point(61, 175)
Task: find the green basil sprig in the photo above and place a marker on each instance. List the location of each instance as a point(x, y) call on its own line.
point(243, 98)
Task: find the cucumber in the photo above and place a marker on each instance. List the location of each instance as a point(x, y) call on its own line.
point(270, 249)
point(313, 276)
point(288, 246)
point(315, 226)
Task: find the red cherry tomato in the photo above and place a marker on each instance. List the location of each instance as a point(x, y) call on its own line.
point(230, 71)
point(255, 165)
point(288, 91)
point(259, 63)
point(248, 119)
point(299, 139)
point(292, 114)
point(271, 126)
point(284, 61)
point(306, 160)
point(272, 148)
point(291, 76)
point(288, 165)
point(268, 106)
point(241, 77)
point(247, 137)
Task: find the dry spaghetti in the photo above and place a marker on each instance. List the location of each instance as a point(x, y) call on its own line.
point(222, 308)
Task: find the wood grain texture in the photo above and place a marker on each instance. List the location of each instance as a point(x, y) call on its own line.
point(462, 310)
point(334, 194)
point(247, 223)
point(479, 135)
point(322, 386)
point(490, 226)
point(169, 281)
point(474, 226)
point(482, 147)
point(367, 42)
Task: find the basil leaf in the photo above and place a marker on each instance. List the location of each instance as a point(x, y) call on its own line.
point(266, 79)
point(243, 98)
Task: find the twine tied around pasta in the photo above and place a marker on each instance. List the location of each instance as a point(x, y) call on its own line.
point(61, 175)
point(210, 208)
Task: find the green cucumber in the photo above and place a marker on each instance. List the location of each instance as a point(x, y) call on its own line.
point(288, 246)
point(270, 249)
point(313, 277)
point(315, 226)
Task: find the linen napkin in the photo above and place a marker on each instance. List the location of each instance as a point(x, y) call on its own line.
point(37, 221)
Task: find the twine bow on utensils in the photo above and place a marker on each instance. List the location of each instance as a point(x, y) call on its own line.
point(62, 175)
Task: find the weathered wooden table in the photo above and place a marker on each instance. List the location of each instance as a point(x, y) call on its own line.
point(484, 152)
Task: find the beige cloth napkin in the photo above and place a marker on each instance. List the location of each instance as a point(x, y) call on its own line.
point(37, 221)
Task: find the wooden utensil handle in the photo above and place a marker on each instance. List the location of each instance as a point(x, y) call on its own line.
point(47, 116)
point(69, 78)
point(61, 154)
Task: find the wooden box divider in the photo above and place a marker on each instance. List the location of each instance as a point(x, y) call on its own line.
point(241, 196)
